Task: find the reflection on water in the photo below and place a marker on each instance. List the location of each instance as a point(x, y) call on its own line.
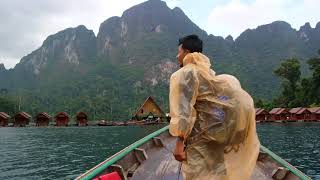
point(52, 153)
point(64, 153)
point(298, 143)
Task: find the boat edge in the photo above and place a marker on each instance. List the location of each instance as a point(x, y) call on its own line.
point(111, 160)
point(90, 174)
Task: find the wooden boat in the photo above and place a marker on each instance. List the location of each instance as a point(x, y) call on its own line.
point(105, 123)
point(150, 158)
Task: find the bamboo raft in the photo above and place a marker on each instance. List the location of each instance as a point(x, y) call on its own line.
point(150, 158)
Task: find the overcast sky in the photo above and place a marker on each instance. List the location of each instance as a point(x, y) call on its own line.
point(26, 23)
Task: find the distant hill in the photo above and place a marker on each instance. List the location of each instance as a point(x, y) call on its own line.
point(133, 57)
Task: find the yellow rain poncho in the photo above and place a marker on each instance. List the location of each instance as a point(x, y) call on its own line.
point(216, 117)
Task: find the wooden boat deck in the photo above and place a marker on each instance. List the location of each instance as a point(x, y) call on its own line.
point(161, 165)
point(151, 159)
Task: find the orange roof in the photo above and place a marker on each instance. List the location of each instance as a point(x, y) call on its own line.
point(151, 99)
point(23, 114)
point(4, 115)
point(274, 110)
point(81, 114)
point(303, 111)
point(62, 114)
point(295, 110)
point(278, 111)
point(261, 111)
point(315, 110)
point(44, 114)
point(282, 110)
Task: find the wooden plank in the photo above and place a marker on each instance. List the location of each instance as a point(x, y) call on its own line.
point(118, 168)
point(280, 173)
point(158, 141)
point(140, 154)
point(160, 165)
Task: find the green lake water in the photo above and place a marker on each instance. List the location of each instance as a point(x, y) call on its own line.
point(65, 153)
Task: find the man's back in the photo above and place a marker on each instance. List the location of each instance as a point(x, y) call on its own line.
point(216, 118)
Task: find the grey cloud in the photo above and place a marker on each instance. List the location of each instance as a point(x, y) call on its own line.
point(24, 24)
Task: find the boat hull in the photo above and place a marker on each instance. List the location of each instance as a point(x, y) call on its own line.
point(151, 158)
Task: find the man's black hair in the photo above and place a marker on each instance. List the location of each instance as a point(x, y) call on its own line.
point(192, 43)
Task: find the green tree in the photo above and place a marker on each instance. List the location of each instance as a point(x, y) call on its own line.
point(261, 103)
point(7, 105)
point(303, 96)
point(314, 64)
point(289, 72)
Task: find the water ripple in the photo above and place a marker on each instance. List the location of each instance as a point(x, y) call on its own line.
point(298, 143)
point(66, 152)
point(60, 153)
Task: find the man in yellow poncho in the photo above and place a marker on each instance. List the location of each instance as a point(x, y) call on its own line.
point(213, 118)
